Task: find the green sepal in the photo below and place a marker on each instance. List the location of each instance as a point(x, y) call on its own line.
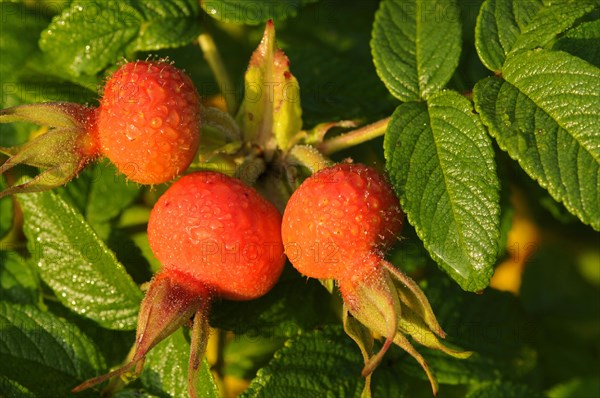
point(391, 304)
point(363, 339)
point(171, 300)
point(373, 303)
point(52, 114)
point(61, 152)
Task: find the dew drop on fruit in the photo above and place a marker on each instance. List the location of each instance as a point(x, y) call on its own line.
point(215, 224)
point(173, 118)
point(156, 122)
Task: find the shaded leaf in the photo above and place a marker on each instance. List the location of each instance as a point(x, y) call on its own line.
point(6, 211)
point(492, 325)
point(18, 282)
point(293, 305)
point(505, 390)
point(43, 353)
point(589, 387)
point(20, 31)
point(338, 82)
point(581, 42)
point(319, 363)
point(252, 12)
point(165, 370)
point(11, 389)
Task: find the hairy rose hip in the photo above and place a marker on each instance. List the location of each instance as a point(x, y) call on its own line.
point(338, 225)
point(149, 121)
point(215, 237)
point(148, 125)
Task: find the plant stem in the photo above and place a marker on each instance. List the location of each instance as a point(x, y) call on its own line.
point(213, 57)
point(354, 137)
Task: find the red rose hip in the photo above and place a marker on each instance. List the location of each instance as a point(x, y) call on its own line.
point(337, 225)
point(149, 121)
point(215, 237)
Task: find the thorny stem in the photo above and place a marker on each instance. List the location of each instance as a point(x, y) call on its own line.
point(354, 137)
point(213, 57)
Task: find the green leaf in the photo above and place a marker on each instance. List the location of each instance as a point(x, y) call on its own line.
point(416, 46)
point(87, 37)
point(441, 163)
point(576, 388)
point(545, 114)
point(11, 389)
point(245, 354)
point(581, 42)
point(18, 282)
point(319, 363)
point(20, 29)
point(506, 390)
point(133, 394)
point(6, 210)
point(292, 306)
point(110, 193)
point(506, 27)
point(338, 82)
point(43, 353)
point(253, 12)
point(565, 307)
point(165, 370)
point(83, 273)
point(493, 325)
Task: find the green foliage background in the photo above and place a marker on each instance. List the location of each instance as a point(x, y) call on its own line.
point(489, 101)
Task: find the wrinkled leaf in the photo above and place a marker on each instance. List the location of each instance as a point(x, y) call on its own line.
point(441, 163)
point(292, 306)
point(416, 46)
point(84, 274)
point(506, 27)
point(165, 370)
point(43, 353)
point(581, 42)
point(556, 145)
point(87, 37)
point(318, 363)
